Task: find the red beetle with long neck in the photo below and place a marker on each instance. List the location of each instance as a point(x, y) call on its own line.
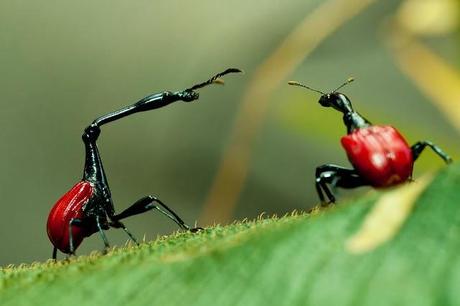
point(88, 208)
point(380, 155)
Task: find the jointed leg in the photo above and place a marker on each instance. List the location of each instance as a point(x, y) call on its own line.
point(54, 253)
point(335, 176)
point(418, 148)
point(73, 222)
point(102, 234)
point(118, 224)
point(148, 203)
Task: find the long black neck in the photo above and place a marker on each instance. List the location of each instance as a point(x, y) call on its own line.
point(93, 170)
point(148, 103)
point(94, 173)
point(354, 120)
point(340, 102)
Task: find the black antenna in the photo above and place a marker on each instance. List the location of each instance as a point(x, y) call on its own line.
point(348, 81)
point(215, 79)
point(295, 83)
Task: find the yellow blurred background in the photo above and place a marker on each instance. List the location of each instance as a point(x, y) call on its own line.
point(246, 148)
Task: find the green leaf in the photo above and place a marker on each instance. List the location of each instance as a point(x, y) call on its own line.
point(294, 260)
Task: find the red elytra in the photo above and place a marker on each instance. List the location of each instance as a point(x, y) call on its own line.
point(69, 206)
point(380, 154)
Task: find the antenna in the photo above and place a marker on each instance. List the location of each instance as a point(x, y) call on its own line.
point(348, 81)
point(215, 79)
point(295, 83)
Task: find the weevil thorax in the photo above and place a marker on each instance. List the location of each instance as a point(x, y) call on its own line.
point(340, 102)
point(101, 203)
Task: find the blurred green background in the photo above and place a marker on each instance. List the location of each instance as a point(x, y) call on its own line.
point(65, 63)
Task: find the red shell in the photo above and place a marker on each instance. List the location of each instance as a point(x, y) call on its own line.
point(69, 206)
point(380, 154)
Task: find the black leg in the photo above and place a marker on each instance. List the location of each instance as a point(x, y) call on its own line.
point(118, 224)
point(54, 253)
point(418, 148)
point(335, 176)
point(73, 222)
point(148, 203)
point(102, 234)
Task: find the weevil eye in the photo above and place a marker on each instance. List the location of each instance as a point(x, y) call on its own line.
point(325, 100)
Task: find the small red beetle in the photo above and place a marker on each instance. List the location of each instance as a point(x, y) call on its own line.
point(88, 208)
point(379, 154)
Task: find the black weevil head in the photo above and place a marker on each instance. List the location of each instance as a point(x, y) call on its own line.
point(334, 99)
